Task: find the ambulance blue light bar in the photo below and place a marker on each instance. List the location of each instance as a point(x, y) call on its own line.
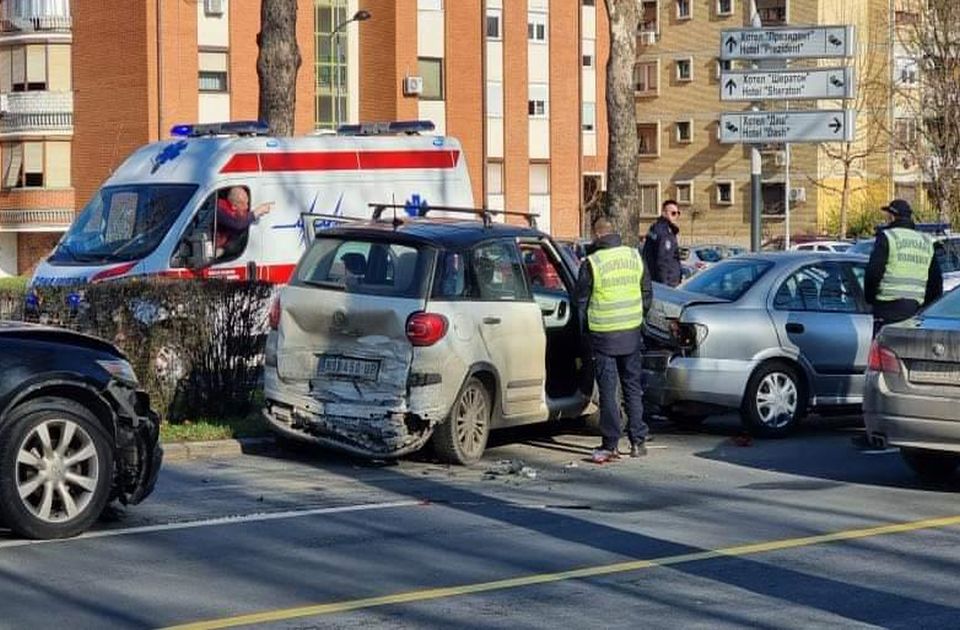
point(233, 128)
point(397, 127)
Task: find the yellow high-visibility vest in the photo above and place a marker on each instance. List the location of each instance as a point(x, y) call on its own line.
point(616, 303)
point(908, 264)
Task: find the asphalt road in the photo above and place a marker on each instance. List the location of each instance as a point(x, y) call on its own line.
point(704, 532)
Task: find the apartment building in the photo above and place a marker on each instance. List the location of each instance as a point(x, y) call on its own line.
point(36, 129)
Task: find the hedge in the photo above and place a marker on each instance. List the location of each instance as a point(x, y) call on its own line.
point(196, 345)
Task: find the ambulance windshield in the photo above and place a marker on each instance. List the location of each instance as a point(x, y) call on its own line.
point(123, 223)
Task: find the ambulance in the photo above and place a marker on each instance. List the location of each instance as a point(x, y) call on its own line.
point(157, 214)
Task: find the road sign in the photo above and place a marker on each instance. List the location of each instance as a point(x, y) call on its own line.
point(794, 85)
point(792, 126)
point(830, 42)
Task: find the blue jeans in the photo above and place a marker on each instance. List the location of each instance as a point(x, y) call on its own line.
point(627, 371)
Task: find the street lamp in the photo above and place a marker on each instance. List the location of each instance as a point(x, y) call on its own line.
point(360, 16)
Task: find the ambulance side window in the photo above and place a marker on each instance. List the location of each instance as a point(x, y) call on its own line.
point(217, 233)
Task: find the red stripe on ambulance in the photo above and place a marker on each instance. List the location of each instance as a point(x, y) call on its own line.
point(340, 161)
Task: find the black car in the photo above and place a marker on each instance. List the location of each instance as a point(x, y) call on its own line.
point(76, 432)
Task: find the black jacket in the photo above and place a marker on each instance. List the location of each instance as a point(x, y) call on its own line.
point(616, 343)
point(896, 310)
point(661, 253)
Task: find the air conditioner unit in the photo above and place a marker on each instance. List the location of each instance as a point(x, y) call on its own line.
point(798, 194)
point(213, 7)
point(412, 86)
point(648, 38)
point(4, 104)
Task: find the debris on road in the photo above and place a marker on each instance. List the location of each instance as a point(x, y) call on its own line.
point(510, 467)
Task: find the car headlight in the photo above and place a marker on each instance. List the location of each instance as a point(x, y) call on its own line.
point(120, 370)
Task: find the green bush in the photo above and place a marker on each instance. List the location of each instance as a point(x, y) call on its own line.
point(197, 346)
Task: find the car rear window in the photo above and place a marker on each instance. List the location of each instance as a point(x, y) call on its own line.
point(728, 279)
point(948, 255)
point(367, 267)
point(947, 307)
point(709, 255)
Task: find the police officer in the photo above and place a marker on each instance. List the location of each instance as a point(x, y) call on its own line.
point(661, 252)
point(903, 273)
point(614, 292)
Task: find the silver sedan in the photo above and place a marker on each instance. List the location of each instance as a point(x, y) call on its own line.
point(772, 335)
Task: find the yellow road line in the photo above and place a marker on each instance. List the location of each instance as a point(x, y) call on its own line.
point(574, 574)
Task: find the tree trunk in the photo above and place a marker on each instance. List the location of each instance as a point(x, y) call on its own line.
point(277, 64)
point(623, 189)
point(845, 200)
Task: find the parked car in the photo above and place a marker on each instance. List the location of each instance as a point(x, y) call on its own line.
point(770, 334)
point(699, 257)
point(913, 389)
point(393, 334)
point(822, 246)
point(76, 432)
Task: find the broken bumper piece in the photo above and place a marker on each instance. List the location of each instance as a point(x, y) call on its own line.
point(369, 432)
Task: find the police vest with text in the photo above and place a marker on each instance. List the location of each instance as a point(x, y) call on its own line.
point(908, 265)
point(616, 303)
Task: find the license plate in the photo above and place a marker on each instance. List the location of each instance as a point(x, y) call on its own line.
point(336, 366)
point(934, 372)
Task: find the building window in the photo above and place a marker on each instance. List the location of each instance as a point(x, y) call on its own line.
point(589, 122)
point(588, 3)
point(494, 178)
point(724, 193)
point(648, 137)
point(537, 101)
point(23, 165)
point(685, 131)
point(649, 22)
point(330, 65)
point(537, 27)
point(684, 11)
point(772, 12)
point(906, 71)
point(685, 69)
point(905, 132)
point(649, 198)
point(724, 7)
point(493, 24)
point(27, 69)
point(430, 5)
point(494, 99)
point(588, 61)
point(645, 78)
point(588, 53)
point(431, 70)
point(774, 197)
point(539, 178)
point(212, 66)
point(723, 65)
point(684, 193)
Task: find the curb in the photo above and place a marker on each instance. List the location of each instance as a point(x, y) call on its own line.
point(180, 451)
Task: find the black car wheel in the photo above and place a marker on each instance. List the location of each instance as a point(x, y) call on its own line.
point(931, 465)
point(56, 466)
point(463, 437)
point(773, 403)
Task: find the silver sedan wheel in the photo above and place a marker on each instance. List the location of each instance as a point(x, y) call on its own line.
point(776, 400)
point(58, 468)
point(471, 418)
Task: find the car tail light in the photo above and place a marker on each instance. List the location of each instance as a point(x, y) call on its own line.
point(688, 336)
point(274, 317)
point(426, 329)
point(883, 360)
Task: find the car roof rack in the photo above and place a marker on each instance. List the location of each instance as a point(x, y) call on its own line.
point(231, 128)
point(484, 214)
point(394, 128)
point(311, 219)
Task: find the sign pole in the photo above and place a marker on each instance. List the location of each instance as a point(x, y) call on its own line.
point(786, 198)
point(756, 163)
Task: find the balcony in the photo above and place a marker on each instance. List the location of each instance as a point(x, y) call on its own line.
point(26, 113)
point(36, 219)
point(29, 17)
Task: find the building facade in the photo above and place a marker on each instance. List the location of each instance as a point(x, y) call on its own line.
point(37, 198)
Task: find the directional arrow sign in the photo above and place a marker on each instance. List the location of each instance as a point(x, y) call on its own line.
point(788, 43)
point(794, 85)
point(799, 126)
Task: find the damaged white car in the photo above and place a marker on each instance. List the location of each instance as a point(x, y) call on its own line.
point(393, 333)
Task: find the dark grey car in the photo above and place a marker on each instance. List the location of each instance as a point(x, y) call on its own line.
point(772, 335)
point(913, 389)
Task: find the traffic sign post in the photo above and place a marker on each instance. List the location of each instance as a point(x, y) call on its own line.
point(795, 85)
point(793, 126)
point(817, 42)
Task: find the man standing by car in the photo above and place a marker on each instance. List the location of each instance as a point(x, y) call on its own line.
point(903, 274)
point(614, 292)
point(661, 252)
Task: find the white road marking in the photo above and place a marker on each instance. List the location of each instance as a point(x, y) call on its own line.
point(884, 451)
point(217, 522)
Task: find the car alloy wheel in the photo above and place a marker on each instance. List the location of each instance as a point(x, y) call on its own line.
point(471, 418)
point(58, 470)
point(776, 400)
